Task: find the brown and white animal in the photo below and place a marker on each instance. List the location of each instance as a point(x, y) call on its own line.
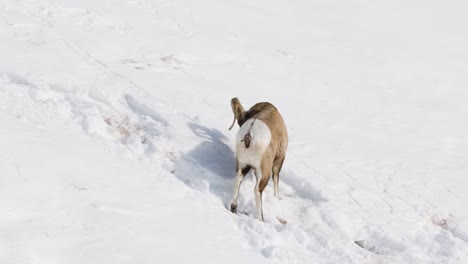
point(261, 144)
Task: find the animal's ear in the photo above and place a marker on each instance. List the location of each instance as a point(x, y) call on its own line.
point(239, 112)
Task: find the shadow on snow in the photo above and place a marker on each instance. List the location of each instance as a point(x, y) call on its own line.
point(210, 166)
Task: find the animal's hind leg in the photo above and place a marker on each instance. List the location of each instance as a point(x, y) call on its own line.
point(277, 164)
point(263, 176)
point(239, 176)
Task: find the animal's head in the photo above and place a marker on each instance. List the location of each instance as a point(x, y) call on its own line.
point(239, 112)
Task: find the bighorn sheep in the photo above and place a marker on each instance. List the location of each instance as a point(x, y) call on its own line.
point(261, 144)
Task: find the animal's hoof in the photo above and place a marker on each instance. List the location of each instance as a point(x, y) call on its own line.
point(234, 208)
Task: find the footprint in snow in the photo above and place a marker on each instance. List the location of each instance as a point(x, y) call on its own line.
point(136, 64)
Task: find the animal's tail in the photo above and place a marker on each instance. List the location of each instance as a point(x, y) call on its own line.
point(247, 139)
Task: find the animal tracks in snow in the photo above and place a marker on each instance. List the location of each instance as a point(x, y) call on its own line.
point(165, 63)
point(294, 224)
point(136, 64)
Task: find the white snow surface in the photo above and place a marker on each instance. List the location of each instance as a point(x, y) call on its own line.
point(114, 145)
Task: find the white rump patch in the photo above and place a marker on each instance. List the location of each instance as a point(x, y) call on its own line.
point(261, 137)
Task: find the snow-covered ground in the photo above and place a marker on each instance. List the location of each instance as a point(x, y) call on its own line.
point(114, 145)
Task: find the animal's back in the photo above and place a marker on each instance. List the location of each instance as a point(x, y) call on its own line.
point(270, 115)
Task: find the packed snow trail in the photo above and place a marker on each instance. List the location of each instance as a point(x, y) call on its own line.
point(115, 145)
